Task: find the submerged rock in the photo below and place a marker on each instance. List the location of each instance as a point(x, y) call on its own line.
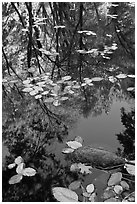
point(96, 157)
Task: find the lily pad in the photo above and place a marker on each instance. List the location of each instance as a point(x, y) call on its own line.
point(125, 185)
point(18, 160)
point(79, 139)
point(74, 144)
point(118, 189)
point(67, 150)
point(75, 185)
point(97, 79)
point(121, 76)
point(15, 179)
point(29, 172)
point(130, 168)
point(64, 194)
point(115, 179)
point(90, 188)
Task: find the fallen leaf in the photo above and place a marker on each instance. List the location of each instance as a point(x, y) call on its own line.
point(115, 179)
point(90, 188)
point(18, 160)
point(84, 169)
point(29, 172)
point(97, 79)
point(20, 168)
point(93, 197)
point(130, 169)
point(121, 76)
point(74, 144)
point(118, 189)
point(75, 185)
point(125, 185)
point(79, 139)
point(67, 150)
point(15, 179)
point(64, 194)
point(10, 166)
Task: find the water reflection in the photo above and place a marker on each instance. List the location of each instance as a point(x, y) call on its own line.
point(38, 134)
point(127, 136)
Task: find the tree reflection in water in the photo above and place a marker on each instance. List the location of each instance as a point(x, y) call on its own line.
point(127, 136)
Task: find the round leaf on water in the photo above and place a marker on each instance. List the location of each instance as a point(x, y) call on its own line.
point(38, 96)
point(125, 185)
point(74, 167)
point(64, 194)
point(121, 76)
point(131, 76)
point(27, 89)
point(29, 172)
point(67, 150)
point(90, 188)
point(115, 179)
point(74, 144)
point(66, 78)
point(45, 93)
point(112, 79)
point(18, 160)
point(20, 168)
point(49, 100)
point(26, 81)
point(33, 93)
point(130, 88)
point(97, 79)
point(118, 189)
point(56, 103)
point(75, 185)
point(10, 166)
point(130, 169)
point(93, 197)
point(15, 179)
point(64, 98)
point(79, 139)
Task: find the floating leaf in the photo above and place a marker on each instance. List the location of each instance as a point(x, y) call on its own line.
point(26, 81)
point(64, 194)
point(93, 197)
point(45, 93)
point(49, 100)
point(74, 144)
point(131, 89)
point(74, 167)
point(64, 98)
point(27, 89)
point(90, 188)
point(71, 92)
point(121, 76)
point(29, 172)
point(15, 179)
point(125, 185)
point(59, 26)
point(33, 93)
point(32, 69)
point(18, 160)
point(38, 96)
point(75, 185)
point(130, 169)
point(108, 193)
point(66, 78)
point(20, 168)
point(115, 179)
point(67, 150)
point(41, 83)
point(131, 76)
point(56, 103)
point(10, 166)
point(118, 189)
point(111, 200)
point(84, 169)
point(76, 86)
point(82, 51)
point(97, 79)
point(112, 79)
point(37, 88)
point(87, 195)
point(79, 139)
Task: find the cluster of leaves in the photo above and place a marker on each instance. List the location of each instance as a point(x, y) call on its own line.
point(20, 170)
